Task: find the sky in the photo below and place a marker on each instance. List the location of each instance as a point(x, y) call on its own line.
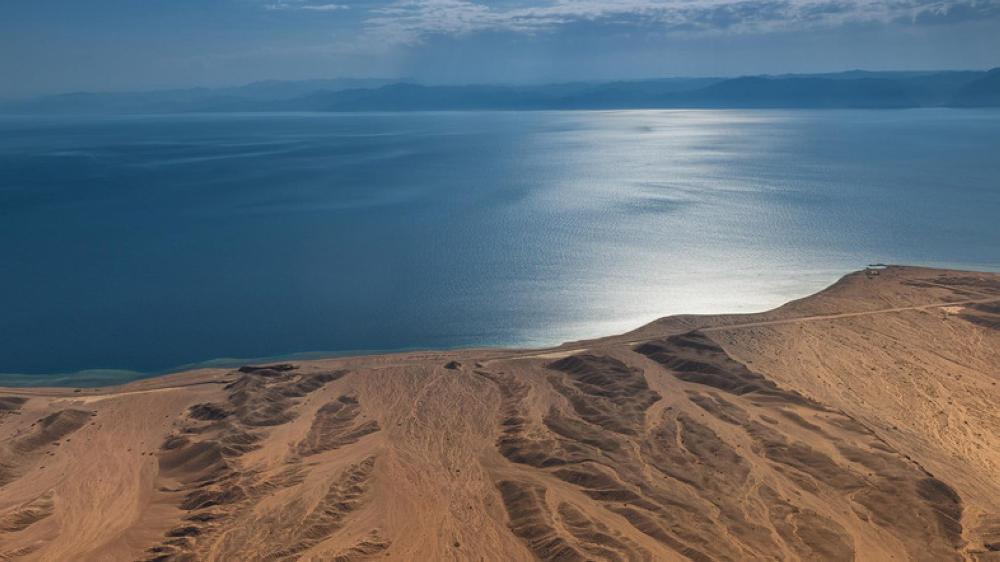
point(54, 46)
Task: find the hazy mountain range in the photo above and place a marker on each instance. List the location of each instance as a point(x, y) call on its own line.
point(852, 89)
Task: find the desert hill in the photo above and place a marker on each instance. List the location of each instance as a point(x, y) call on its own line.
point(861, 423)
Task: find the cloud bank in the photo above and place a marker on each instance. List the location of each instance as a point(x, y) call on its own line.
point(411, 21)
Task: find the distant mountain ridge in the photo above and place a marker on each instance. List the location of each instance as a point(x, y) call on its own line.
point(983, 91)
point(813, 92)
point(851, 89)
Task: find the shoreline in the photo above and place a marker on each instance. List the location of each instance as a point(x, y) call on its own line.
point(873, 397)
point(212, 367)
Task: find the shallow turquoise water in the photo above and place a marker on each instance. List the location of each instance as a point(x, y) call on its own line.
point(146, 243)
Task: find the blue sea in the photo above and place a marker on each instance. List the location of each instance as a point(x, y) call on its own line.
point(133, 245)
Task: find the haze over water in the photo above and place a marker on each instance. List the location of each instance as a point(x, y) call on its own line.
point(146, 243)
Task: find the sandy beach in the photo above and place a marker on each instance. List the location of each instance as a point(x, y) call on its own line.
point(859, 423)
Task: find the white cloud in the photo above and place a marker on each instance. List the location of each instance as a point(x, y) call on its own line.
point(410, 21)
point(306, 6)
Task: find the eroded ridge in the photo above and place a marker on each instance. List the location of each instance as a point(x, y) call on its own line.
point(293, 532)
point(24, 449)
point(694, 357)
point(881, 485)
point(202, 464)
point(605, 391)
point(10, 405)
point(370, 546)
point(961, 285)
point(565, 533)
point(732, 455)
point(25, 515)
point(335, 425)
point(986, 315)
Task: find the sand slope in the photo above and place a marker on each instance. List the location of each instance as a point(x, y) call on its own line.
point(862, 423)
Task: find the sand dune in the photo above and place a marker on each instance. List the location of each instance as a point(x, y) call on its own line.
point(861, 423)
